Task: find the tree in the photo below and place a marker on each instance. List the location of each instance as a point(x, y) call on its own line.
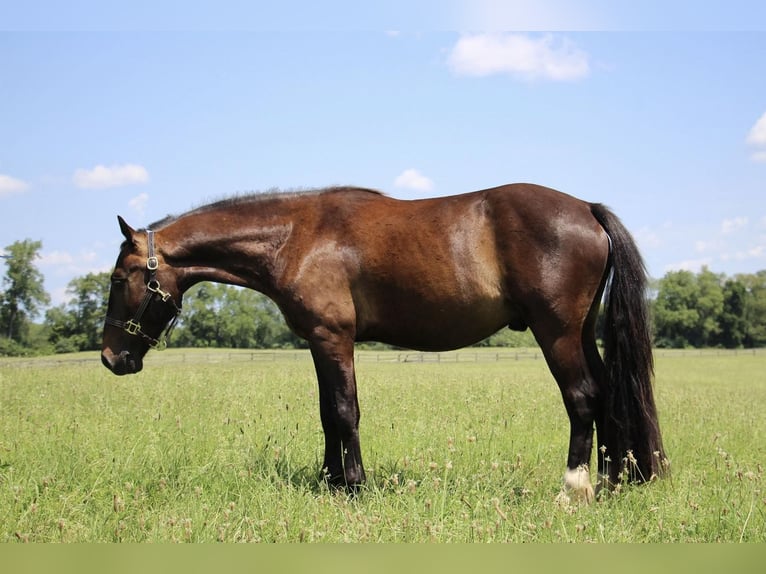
point(710, 307)
point(77, 324)
point(732, 323)
point(688, 308)
point(23, 294)
point(675, 313)
point(755, 308)
point(223, 316)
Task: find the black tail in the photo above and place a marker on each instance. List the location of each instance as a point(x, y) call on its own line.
point(630, 427)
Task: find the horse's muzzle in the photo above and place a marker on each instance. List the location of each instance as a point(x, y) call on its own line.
point(123, 364)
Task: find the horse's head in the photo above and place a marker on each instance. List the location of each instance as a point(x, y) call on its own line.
point(144, 303)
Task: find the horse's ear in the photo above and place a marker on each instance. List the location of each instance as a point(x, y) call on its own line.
point(126, 229)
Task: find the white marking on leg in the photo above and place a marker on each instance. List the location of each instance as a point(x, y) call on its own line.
point(577, 488)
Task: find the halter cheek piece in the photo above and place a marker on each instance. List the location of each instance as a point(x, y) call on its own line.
point(153, 289)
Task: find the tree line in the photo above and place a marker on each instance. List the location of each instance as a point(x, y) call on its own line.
point(703, 309)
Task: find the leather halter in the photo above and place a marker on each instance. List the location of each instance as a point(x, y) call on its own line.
point(153, 289)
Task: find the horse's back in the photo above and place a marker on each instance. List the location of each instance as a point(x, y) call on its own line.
point(450, 271)
point(445, 272)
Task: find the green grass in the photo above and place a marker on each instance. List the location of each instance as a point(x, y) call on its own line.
point(216, 447)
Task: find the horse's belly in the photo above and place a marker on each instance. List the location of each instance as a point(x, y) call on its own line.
point(435, 328)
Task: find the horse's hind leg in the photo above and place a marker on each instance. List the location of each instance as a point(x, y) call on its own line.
point(566, 357)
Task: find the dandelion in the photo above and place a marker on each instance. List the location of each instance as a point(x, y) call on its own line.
point(117, 503)
point(496, 505)
point(119, 529)
point(187, 524)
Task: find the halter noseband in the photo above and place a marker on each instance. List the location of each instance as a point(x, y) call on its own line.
point(133, 326)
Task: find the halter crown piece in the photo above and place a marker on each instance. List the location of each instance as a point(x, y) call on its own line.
point(153, 289)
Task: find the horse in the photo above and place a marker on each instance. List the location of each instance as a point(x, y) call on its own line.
point(350, 264)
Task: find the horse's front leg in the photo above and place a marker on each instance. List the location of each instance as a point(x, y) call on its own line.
point(339, 411)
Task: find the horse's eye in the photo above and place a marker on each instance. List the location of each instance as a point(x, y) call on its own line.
point(117, 280)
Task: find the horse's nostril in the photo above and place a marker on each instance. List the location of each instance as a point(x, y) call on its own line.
point(122, 364)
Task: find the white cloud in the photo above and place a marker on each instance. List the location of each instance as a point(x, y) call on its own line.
point(64, 264)
point(648, 238)
point(413, 179)
point(754, 252)
point(732, 225)
point(103, 177)
point(704, 246)
point(56, 258)
point(138, 203)
point(757, 135)
point(9, 185)
point(689, 265)
point(757, 138)
point(546, 57)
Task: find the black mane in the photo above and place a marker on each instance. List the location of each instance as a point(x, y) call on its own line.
point(255, 197)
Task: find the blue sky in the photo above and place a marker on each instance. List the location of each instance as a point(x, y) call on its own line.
point(660, 115)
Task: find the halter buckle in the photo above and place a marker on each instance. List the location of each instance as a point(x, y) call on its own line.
point(132, 328)
point(152, 263)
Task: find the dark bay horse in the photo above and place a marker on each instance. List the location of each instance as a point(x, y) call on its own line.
point(347, 264)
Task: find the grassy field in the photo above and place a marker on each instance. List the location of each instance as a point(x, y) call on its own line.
point(227, 446)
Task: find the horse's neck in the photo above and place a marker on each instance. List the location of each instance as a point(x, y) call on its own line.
point(235, 246)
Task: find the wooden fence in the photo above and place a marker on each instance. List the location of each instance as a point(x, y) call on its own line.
point(469, 355)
